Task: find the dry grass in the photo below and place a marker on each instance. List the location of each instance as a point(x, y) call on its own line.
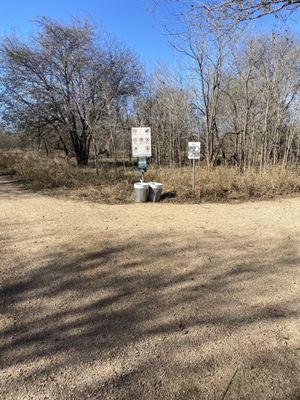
point(115, 186)
point(8, 141)
point(61, 177)
point(228, 183)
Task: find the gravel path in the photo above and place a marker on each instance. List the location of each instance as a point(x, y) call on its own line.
point(148, 301)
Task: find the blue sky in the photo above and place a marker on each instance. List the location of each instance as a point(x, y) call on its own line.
point(128, 20)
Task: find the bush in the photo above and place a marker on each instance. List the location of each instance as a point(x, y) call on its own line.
point(116, 186)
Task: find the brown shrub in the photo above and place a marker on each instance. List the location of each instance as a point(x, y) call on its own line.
point(228, 183)
point(116, 186)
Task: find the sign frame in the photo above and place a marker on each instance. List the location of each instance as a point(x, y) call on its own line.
point(141, 142)
point(194, 150)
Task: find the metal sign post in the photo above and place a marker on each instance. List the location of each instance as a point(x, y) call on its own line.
point(194, 154)
point(193, 179)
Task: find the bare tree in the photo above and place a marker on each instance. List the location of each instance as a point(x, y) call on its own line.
point(64, 79)
point(167, 107)
point(259, 98)
point(244, 91)
point(67, 90)
point(231, 13)
point(226, 15)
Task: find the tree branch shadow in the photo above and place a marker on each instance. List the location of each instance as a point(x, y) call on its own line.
point(184, 310)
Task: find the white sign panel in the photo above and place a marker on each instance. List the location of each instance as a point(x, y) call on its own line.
point(194, 150)
point(141, 142)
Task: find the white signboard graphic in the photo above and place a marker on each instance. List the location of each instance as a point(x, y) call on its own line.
point(194, 150)
point(141, 142)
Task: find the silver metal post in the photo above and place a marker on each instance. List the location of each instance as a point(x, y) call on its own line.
point(193, 179)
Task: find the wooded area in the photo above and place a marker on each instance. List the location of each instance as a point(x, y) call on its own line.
point(68, 90)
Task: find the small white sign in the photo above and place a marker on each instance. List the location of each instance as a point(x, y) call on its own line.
point(194, 150)
point(141, 142)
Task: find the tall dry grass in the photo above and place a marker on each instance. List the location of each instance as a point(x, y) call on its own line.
point(116, 186)
point(228, 183)
point(61, 177)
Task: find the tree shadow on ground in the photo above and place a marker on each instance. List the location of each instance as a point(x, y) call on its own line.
point(166, 318)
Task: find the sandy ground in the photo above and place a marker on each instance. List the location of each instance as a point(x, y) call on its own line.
point(148, 301)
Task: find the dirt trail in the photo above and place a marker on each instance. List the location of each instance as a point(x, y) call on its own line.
point(148, 301)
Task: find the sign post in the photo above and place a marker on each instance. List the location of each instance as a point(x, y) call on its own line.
point(193, 179)
point(194, 154)
point(141, 147)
